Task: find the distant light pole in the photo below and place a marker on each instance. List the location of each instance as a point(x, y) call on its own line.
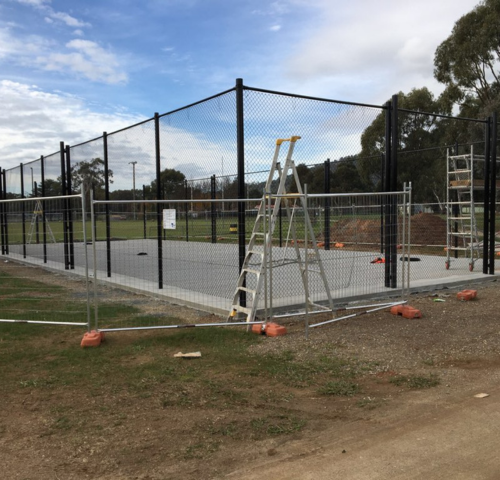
point(133, 180)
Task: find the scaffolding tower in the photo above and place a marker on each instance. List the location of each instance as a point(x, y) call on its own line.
point(461, 225)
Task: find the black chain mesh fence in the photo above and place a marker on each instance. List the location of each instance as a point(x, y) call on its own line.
point(191, 156)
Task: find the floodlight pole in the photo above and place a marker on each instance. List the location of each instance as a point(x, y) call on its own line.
point(133, 183)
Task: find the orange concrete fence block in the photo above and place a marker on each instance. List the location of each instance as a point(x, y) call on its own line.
point(269, 329)
point(406, 311)
point(466, 295)
point(92, 339)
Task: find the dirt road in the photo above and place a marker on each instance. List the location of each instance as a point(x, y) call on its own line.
point(446, 434)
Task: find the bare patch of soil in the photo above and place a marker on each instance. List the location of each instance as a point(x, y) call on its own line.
point(427, 229)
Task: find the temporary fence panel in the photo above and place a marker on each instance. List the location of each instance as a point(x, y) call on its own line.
point(38, 237)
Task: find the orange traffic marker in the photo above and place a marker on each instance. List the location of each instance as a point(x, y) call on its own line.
point(466, 295)
point(92, 339)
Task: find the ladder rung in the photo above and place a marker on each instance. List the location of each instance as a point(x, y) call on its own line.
point(250, 270)
point(246, 289)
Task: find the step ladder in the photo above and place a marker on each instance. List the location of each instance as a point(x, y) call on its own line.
point(462, 233)
point(38, 213)
point(258, 263)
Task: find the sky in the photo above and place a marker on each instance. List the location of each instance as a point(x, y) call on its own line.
point(70, 69)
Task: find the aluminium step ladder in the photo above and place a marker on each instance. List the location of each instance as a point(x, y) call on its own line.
point(258, 259)
point(38, 212)
point(462, 233)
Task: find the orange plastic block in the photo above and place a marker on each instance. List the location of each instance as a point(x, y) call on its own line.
point(258, 328)
point(339, 245)
point(92, 339)
point(466, 295)
point(397, 310)
point(269, 329)
point(274, 330)
point(410, 312)
point(406, 311)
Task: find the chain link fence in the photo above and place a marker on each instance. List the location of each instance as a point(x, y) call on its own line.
point(209, 162)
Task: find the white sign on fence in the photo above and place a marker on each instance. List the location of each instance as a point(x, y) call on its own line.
point(169, 219)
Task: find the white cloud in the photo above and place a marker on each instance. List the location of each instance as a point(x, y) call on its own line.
point(34, 3)
point(88, 59)
point(19, 49)
point(389, 48)
point(33, 122)
point(275, 28)
point(69, 20)
point(51, 15)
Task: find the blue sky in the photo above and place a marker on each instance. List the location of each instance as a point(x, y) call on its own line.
point(70, 70)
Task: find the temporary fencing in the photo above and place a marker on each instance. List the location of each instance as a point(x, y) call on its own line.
point(48, 232)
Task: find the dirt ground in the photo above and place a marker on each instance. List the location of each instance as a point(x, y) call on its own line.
point(384, 430)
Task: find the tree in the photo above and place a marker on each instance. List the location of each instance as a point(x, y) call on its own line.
point(171, 184)
point(345, 176)
point(51, 188)
point(419, 161)
point(467, 62)
point(91, 174)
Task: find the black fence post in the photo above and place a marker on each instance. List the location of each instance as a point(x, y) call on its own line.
point(70, 211)
point(106, 197)
point(158, 205)
point(23, 210)
point(64, 206)
point(213, 212)
point(394, 186)
point(36, 218)
point(6, 222)
point(486, 202)
point(493, 191)
point(240, 154)
point(327, 204)
point(144, 219)
point(186, 208)
point(2, 231)
point(382, 208)
point(386, 188)
point(44, 218)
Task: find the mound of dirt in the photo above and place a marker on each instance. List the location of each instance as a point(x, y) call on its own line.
point(426, 229)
